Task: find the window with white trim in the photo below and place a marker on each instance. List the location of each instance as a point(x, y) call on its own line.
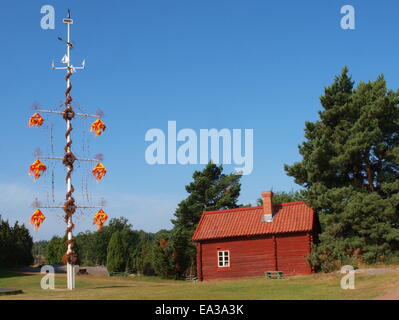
point(223, 259)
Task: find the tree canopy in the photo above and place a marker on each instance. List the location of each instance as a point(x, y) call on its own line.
point(284, 197)
point(15, 245)
point(116, 253)
point(350, 170)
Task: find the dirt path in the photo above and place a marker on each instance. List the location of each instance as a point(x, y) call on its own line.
point(391, 295)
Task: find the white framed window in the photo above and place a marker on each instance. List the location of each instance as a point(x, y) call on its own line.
point(223, 259)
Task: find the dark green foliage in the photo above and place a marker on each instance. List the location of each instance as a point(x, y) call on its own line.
point(144, 259)
point(211, 189)
point(92, 246)
point(284, 197)
point(15, 245)
point(350, 169)
point(39, 252)
point(141, 253)
point(55, 250)
point(163, 255)
point(116, 253)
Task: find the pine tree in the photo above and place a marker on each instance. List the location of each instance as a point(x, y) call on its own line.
point(15, 245)
point(350, 169)
point(211, 189)
point(284, 197)
point(55, 250)
point(116, 253)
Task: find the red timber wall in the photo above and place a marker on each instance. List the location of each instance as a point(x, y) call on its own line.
point(251, 257)
point(292, 252)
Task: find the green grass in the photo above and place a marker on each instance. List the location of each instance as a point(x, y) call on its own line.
point(316, 286)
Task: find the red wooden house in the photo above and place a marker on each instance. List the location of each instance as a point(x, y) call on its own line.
point(245, 242)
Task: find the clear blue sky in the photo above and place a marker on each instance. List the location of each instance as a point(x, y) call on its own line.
point(258, 65)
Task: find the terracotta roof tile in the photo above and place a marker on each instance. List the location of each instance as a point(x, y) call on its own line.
point(247, 221)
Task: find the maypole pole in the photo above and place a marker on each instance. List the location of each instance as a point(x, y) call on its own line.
point(37, 168)
point(69, 206)
point(70, 258)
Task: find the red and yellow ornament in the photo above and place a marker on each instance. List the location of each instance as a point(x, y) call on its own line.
point(99, 171)
point(98, 126)
point(36, 120)
point(37, 219)
point(99, 219)
point(36, 169)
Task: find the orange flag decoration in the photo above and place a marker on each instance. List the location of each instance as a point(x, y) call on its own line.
point(98, 126)
point(99, 171)
point(37, 219)
point(36, 120)
point(99, 219)
point(36, 169)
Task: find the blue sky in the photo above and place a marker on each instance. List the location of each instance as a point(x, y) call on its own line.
point(258, 65)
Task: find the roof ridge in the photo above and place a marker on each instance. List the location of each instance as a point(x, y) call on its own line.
point(291, 203)
point(231, 210)
point(252, 208)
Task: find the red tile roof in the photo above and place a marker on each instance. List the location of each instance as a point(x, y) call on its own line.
point(247, 221)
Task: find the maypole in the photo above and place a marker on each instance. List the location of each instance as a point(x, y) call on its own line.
point(69, 207)
point(69, 159)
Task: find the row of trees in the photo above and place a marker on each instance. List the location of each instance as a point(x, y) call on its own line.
point(15, 245)
point(117, 245)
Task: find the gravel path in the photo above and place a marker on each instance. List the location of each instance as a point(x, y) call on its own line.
point(60, 268)
point(391, 295)
point(376, 271)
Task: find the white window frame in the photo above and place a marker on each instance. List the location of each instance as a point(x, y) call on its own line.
point(223, 263)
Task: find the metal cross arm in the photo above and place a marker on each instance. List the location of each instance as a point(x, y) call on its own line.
point(78, 114)
point(71, 67)
point(61, 158)
point(62, 207)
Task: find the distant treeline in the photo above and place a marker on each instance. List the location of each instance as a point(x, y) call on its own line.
point(116, 246)
point(15, 245)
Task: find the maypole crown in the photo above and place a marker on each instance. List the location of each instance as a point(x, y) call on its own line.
point(68, 20)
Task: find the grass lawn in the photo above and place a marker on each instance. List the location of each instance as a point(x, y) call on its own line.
point(316, 286)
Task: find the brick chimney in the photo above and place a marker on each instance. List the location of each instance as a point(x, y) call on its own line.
point(267, 198)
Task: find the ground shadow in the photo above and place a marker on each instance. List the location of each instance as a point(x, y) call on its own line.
point(109, 287)
point(58, 268)
point(13, 273)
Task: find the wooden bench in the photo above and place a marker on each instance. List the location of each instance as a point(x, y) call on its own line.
point(191, 279)
point(82, 271)
point(274, 274)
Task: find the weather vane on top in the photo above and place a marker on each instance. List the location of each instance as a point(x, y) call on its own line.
point(38, 167)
